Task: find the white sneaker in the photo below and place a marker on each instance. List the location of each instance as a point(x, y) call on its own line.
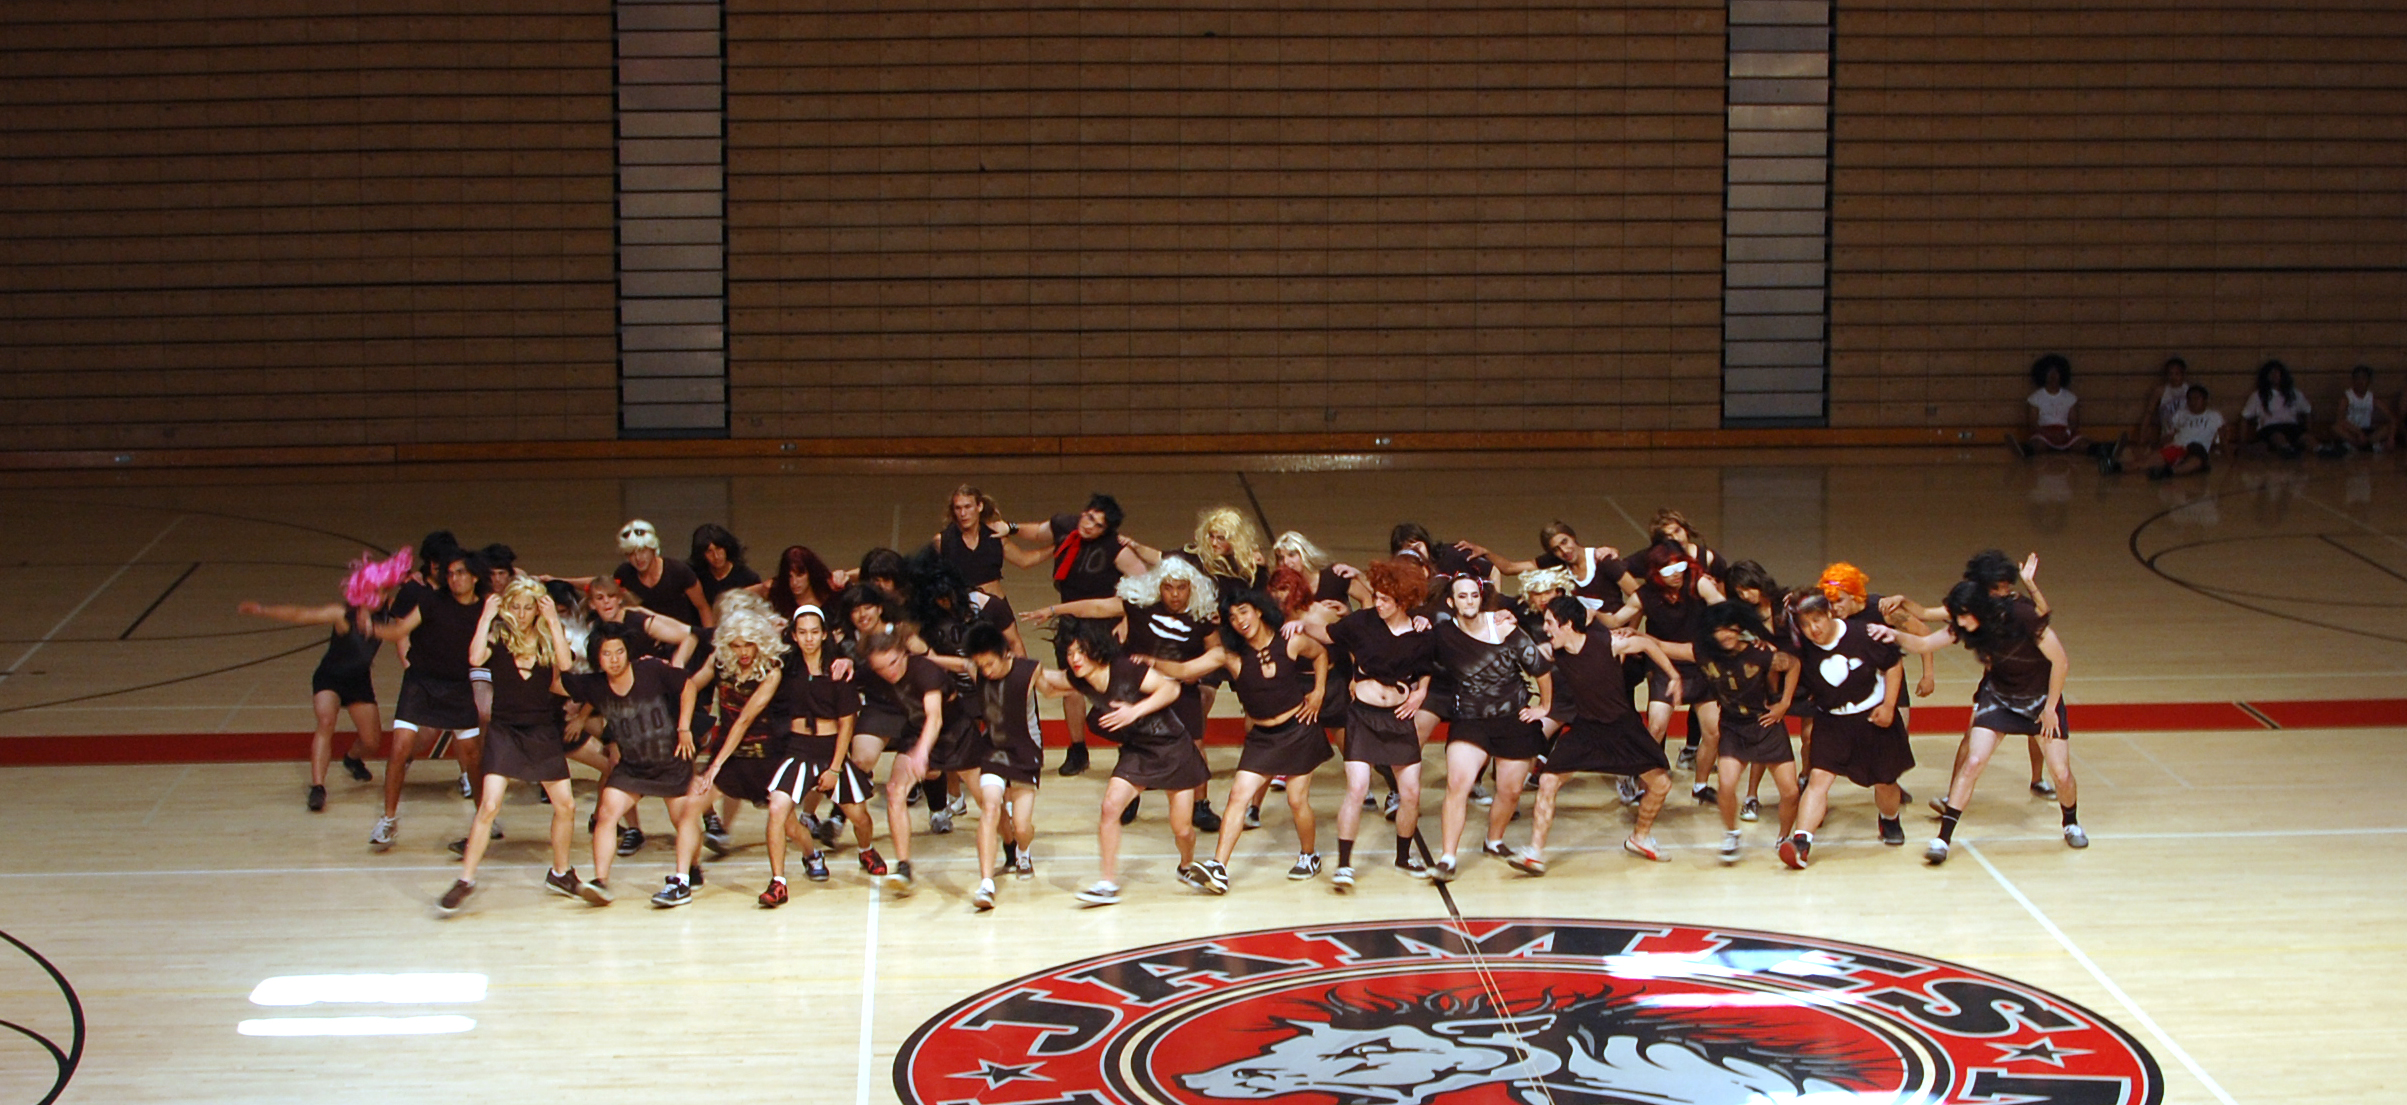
point(1024, 866)
point(1481, 797)
point(941, 822)
point(381, 837)
point(1751, 811)
point(1627, 789)
point(1730, 846)
point(1343, 880)
point(1102, 893)
point(984, 899)
point(2074, 837)
point(1935, 853)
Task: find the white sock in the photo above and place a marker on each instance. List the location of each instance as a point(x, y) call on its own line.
point(778, 879)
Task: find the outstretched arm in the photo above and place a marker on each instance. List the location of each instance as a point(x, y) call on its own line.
point(333, 613)
point(2030, 574)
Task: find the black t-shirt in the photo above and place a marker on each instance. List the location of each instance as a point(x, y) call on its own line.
point(439, 646)
point(668, 596)
point(1742, 681)
point(908, 697)
point(1332, 587)
point(1604, 577)
point(1676, 622)
point(1084, 569)
point(1848, 676)
point(520, 699)
point(817, 697)
point(979, 566)
point(1157, 630)
point(737, 576)
point(1381, 654)
point(644, 721)
point(1488, 678)
point(2021, 670)
point(1592, 679)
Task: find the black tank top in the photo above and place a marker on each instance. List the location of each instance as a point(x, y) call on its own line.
point(350, 651)
point(1128, 686)
point(979, 566)
point(1157, 630)
point(1006, 709)
point(1269, 682)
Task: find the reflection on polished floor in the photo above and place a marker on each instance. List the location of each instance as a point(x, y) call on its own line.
point(2242, 887)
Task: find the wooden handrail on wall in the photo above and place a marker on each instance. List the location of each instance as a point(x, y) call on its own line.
point(1031, 446)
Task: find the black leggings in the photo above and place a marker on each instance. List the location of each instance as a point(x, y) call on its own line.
point(2283, 435)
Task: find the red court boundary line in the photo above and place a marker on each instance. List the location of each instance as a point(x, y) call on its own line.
point(2136, 717)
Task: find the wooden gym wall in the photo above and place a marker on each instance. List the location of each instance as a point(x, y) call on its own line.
point(269, 222)
point(279, 222)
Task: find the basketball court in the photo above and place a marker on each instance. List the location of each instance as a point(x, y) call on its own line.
point(2237, 708)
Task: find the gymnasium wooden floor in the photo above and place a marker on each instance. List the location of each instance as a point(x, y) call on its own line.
point(2241, 913)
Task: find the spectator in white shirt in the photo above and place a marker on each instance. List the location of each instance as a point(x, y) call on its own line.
point(2052, 425)
point(2365, 422)
point(2277, 412)
point(2171, 395)
point(2190, 435)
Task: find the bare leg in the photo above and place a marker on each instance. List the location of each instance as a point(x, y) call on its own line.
point(686, 814)
point(397, 767)
point(2060, 764)
point(1512, 777)
point(1023, 815)
point(990, 822)
point(2038, 759)
point(564, 821)
point(1117, 794)
point(1408, 800)
point(1885, 798)
point(781, 810)
point(606, 810)
point(898, 811)
point(327, 705)
point(470, 752)
point(1709, 721)
point(1182, 822)
point(1728, 769)
point(1299, 807)
point(1815, 802)
point(1658, 783)
point(1349, 812)
point(1973, 758)
point(488, 807)
point(1243, 789)
point(1464, 762)
point(1784, 780)
point(368, 740)
point(1549, 785)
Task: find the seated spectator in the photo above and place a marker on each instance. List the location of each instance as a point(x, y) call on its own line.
point(2171, 395)
point(2365, 422)
point(2277, 412)
point(2052, 425)
point(2191, 435)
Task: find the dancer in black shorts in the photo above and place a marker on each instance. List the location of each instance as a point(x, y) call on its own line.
point(2024, 667)
point(638, 697)
point(1133, 707)
point(1997, 574)
point(519, 646)
point(933, 736)
point(342, 682)
point(1673, 599)
point(1855, 682)
point(1605, 734)
point(1393, 653)
point(816, 762)
point(1281, 682)
point(436, 703)
point(1753, 684)
point(1002, 704)
point(1493, 665)
point(747, 648)
point(1089, 557)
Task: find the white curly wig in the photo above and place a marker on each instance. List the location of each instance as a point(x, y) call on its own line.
point(1146, 589)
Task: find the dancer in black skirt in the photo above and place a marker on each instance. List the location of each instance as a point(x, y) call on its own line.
point(1281, 682)
point(1856, 681)
point(1673, 599)
point(745, 669)
point(1394, 654)
point(637, 697)
point(1753, 684)
point(1132, 706)
point(1090, 558)
point(519, 646)
point(1752, 587)
point(436, 703)
point(1605, 734)
point(1010, 746)
point(1493, 663)
point(342, 682)
point(2024, 667)
point(824, 711)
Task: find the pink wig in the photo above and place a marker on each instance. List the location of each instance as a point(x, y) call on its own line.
point(370, 578)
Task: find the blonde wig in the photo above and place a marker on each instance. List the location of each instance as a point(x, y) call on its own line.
point(1146, 589)
point(1557, 580)
point(745, 618)
point(527, 639)
point(1244, 538)
point(1294, 541)
point(638, 534)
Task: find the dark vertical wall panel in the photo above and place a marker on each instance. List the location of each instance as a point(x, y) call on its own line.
point(261, 222)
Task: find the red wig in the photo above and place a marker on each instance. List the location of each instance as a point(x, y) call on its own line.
point(1403, 580)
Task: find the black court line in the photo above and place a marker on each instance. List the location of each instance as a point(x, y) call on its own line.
point(2258, 714)
point(2149, 562)
point(312, 643)
point(153, 608)
point(1479, 960)
point(2377, 565)
point(1256, 500)
point(73, 1056)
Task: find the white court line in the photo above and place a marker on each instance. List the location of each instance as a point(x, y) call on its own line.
point(869, 974)
point(1551, 849)
point(170, 788)
point(2351, 519)
point(2151, 758)
point(2098, 973)
point(1625, 516)
point(105, 584)
point(227, 720)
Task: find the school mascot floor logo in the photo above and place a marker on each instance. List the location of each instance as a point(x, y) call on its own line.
point(1492, 1011)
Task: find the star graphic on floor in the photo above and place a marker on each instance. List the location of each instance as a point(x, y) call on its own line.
point(2041, 1050)
point(998, 1074)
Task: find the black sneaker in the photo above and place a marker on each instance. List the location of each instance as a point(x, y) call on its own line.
point(1388, 807)
point(1411, 865)
point(452, 898)
point(2043, 789)
point(1129, 816)
point(460, 847)
point(1074, 761)
point(825, 831)
point(1253, 817)
point(901, 879)
point(630, 841)
point(694, 874)
point(1205, 820)
point(1193, 875)
point(1217, 873)
point(317, 799)
point(814, 867)
point(1892, 832)
point(1705, 796)
point(673, 895)
point(1688, 757)
point(563, 883)
point(912, 796)
point(358, 770)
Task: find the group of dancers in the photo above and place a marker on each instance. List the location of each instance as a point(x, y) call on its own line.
point(699, 683)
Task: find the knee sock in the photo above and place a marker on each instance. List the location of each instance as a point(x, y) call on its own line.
point(2071, 816)
point(1947, 822)
point(1696, 732)
point(1403, 850)
point(1345, 853)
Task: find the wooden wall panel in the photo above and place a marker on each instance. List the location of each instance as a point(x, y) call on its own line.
point(955, 218)
point(265, 222)
point(2118, 182)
